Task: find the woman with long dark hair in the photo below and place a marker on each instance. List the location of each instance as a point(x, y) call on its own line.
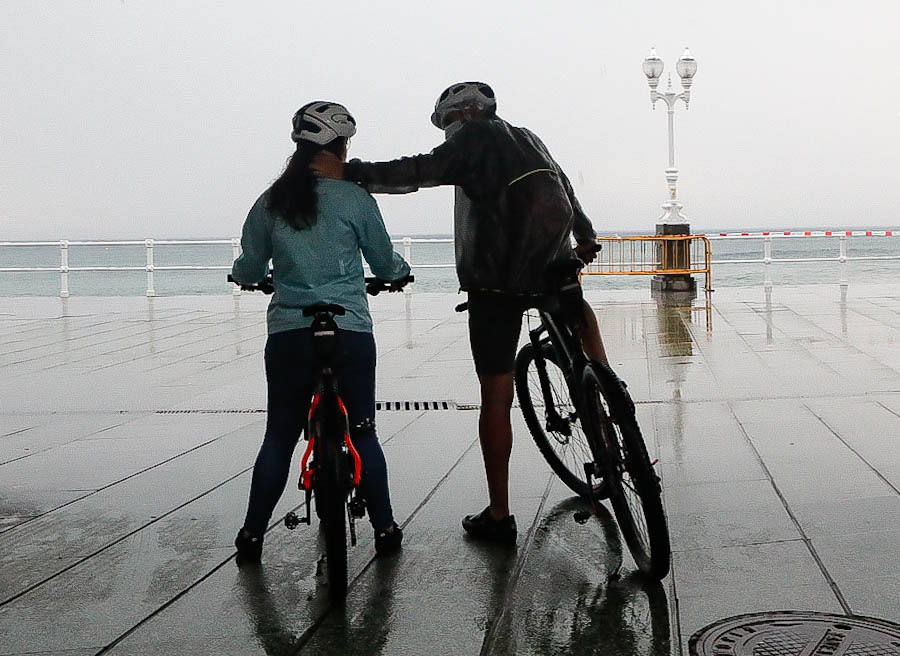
point(313, 226)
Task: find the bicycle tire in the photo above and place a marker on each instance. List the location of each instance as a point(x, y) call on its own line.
point(634, 489)
point(332, 479)
point(566, 454)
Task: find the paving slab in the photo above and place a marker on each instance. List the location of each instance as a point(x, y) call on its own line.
point(129, 424)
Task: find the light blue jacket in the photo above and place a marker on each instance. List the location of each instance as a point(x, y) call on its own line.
point(321, 264)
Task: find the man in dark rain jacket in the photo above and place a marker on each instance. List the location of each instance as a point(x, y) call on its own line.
point(515, 212)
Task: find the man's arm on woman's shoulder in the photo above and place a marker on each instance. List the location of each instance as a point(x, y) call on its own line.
point(450, 163)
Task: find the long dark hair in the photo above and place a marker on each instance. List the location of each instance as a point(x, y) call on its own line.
point(293, 197)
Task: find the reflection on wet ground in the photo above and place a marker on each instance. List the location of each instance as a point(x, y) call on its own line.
point(572, 596)
point(127, 429)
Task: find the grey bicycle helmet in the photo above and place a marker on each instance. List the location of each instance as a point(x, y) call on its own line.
point(321, 122)
point(460, 95)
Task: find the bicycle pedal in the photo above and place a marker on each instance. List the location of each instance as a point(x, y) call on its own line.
point(291, 521)
point(582, 516)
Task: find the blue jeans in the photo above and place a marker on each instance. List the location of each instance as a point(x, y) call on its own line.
point(290, 377)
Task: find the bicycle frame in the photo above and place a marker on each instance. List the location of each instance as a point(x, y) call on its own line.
point(326, 386)
point(571, 359)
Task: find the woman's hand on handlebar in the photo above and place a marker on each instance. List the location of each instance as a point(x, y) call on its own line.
point(376, 285)
point(266, 286)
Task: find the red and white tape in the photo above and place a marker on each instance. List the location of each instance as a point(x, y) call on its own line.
point(806, 233)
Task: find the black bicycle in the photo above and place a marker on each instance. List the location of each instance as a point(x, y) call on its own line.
point(332, 475)
point(565, 400)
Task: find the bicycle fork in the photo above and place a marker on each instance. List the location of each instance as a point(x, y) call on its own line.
point(554, 421)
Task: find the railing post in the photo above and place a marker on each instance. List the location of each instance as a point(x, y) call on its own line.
point(407, 255)
point(767, 260)
point(64, 269)
point(235, 252)
point(842, 258)
point(407, 248)
point(150, 290)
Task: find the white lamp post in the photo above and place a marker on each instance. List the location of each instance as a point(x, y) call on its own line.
point(672, 222)
point(653, 69)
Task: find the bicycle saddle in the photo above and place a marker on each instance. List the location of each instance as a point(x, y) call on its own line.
point(330, 308)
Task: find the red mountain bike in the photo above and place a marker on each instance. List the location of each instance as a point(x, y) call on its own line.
point(330, 468)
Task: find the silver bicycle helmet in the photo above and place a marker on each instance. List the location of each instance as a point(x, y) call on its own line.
point(462, 94)
point(322, 122)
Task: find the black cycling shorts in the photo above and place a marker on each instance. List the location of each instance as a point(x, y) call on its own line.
point(495, 321)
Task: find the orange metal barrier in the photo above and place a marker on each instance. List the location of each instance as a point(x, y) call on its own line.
point(653, 255)
point(656, 255)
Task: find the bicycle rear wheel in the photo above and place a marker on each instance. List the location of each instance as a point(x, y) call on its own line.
point(634, 489)
point(331, 489)
point(559, 435)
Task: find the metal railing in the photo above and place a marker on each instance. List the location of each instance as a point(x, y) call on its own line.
point(64, 268)
point(639, 257)
point(842, 257)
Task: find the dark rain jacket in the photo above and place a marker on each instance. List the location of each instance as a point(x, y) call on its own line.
point(515, 209)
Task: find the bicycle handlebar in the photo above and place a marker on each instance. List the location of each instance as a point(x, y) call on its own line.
point(376, 285)
point(373, 285)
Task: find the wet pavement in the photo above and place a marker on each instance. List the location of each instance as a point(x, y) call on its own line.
point(128, 427)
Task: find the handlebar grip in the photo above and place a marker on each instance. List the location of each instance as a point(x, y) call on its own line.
point(376, 285)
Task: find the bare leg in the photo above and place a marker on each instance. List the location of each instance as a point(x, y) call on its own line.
point(495, 434)
point(621, 402)
point(590, 336)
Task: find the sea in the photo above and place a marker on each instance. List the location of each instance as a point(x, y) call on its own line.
point(725, 273)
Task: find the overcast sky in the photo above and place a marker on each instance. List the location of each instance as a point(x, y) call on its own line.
point(126, 118)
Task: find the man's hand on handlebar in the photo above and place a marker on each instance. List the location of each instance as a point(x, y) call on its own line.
point(376, 285)
point(587, 251)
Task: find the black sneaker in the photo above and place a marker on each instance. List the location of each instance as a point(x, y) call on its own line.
point(388, 542)
point(249, 547)
point(484, 527)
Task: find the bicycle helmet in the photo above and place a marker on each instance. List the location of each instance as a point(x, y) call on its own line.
point(322, 122)
point(460, 95)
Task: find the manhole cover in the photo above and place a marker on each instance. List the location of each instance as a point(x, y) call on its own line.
point(794, 633)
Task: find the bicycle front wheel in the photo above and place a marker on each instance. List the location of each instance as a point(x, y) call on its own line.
point(334, 524)
point(634, 488)
point(553, 422)
point(331, 489)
